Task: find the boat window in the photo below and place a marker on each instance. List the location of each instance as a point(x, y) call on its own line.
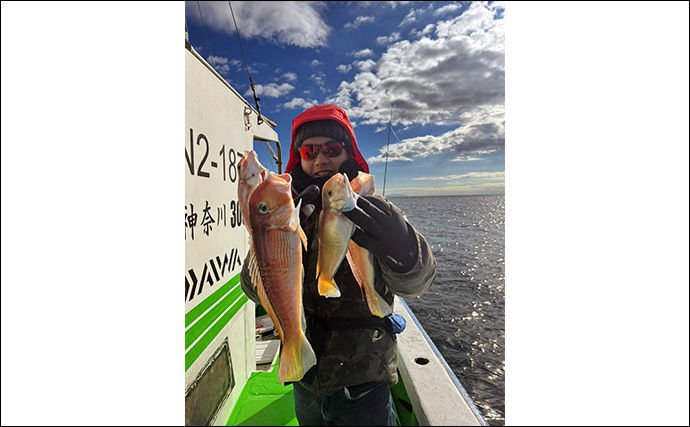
point(210, 389)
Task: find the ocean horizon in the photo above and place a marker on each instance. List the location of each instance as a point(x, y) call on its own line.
point(401, 195)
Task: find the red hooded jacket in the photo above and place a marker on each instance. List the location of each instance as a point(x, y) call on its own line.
point(323, 112)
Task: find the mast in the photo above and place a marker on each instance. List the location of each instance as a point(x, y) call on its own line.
point(385, 171)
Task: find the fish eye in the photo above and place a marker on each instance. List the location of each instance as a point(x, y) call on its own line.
point(262, 208)
point(329, 193)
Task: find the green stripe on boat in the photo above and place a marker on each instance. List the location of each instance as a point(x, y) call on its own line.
point(196, 330)
point(206, 339)
point(208, 302)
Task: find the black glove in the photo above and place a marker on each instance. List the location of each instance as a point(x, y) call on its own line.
point(383, 231)
point(306, 196)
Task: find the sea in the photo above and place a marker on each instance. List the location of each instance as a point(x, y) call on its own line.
point(463, 312)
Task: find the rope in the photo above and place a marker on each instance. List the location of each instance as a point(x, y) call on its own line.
point(259, 119)
point(207, 43)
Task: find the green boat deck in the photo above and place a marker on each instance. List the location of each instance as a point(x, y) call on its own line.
point(265, 402)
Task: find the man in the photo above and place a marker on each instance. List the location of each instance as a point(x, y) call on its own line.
point(355, 351)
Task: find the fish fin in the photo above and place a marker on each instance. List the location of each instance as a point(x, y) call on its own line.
point(304, 318)
point(356, 185)
point(285, 177)
point(355, 270)
point(351, 201)
point(328, 288)
point(303, 237)
point(304, 321)
point(266, 303)
point(293, 225)
point(254, 273)
point(377, 305)
point(296, 358)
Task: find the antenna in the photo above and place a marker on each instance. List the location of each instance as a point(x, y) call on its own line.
point(385, 171)
point(207, 43)
point(259, 119)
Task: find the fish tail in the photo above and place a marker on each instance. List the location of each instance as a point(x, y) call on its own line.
point(296, 358)
point(377, 305)
point(328, 288)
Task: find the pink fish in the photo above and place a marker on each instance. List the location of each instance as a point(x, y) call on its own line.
point(251, 174)
point(361, 260)
point(277, 238)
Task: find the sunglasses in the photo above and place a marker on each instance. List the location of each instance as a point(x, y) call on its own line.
point(330, 149)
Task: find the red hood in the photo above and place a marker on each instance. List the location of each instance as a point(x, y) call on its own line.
point(323, 112)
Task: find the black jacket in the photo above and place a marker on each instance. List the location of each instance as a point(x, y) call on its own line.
point(352, 346)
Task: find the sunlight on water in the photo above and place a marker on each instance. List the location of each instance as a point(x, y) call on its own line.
point(463, 312)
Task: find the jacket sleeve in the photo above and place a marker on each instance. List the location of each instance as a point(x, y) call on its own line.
point(416, 281)
point(248, 287)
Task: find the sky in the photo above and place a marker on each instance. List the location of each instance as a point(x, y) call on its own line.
point(434, 70)
point(596, 197)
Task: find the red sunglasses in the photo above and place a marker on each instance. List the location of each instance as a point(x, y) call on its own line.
point(330, 149)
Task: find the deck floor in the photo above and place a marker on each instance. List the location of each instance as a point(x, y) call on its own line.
point(264, 402)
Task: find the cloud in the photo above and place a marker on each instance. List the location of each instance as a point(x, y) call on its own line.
point(455, 75)
point(319, 78)
point(271, 90)
point(281, 23)
point(221, 64)
point(395, 4)
point(384, 40)
point(315, 63)
point(344, 68)
point(483, 131)
point(447, 9)
point(291, 77)
point(411, 17)
point(465, 159)
point(425, 32)
point(358, 21)
point(300, 103)
point(362, 53)
point(366, 66)
point(392, 4)
point(237, 64)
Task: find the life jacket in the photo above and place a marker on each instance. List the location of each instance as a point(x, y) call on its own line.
point(324, 112)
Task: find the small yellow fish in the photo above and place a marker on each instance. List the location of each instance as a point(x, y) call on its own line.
point(361, 260)
point(277, 238)
point(335, 230)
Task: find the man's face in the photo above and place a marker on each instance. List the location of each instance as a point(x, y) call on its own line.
point(322, 165)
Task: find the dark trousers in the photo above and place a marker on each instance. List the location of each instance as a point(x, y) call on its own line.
point(368, 404)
